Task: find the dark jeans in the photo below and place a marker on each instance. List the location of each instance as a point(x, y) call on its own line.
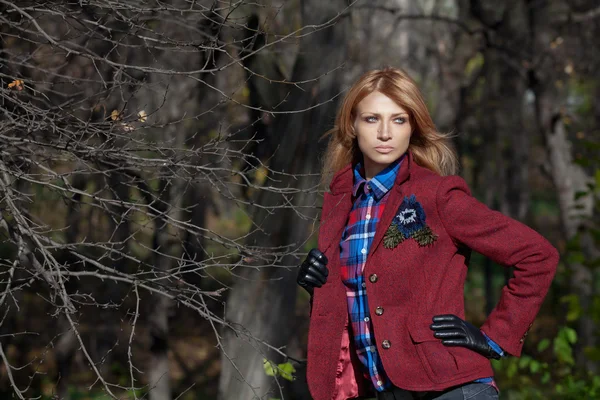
point(472, 391)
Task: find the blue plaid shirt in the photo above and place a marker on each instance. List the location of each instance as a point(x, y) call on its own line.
point(370, 198)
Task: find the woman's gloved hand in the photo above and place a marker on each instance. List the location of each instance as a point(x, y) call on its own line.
point(313, 271)
point(454, 331)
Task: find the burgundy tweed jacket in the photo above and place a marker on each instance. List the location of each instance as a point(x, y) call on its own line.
point(412, 283)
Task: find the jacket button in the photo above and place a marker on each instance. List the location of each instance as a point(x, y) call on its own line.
point(373, 278)
point(386, 344)
point(379, 310)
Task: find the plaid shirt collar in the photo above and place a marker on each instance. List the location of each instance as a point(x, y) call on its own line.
point(380, 184)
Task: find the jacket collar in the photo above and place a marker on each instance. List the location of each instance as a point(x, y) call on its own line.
point(343, 181)
point(339, 203)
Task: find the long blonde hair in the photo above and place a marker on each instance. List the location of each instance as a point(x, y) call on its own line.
point(430, 148)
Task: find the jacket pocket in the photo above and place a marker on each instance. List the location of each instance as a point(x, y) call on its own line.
point(437, 361)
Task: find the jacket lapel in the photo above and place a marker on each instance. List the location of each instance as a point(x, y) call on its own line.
point(333, 219)
point(336, 208)
point(338, 203)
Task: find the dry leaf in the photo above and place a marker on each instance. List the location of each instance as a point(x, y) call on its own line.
point(17, 84)
point(115, 115)
point(128, 127)
point(142, 116)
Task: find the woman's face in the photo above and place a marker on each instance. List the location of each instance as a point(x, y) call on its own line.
point(382, 130)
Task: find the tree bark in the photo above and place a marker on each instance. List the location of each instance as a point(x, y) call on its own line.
point(568, 177)
point(507, 142)
point(263, 302)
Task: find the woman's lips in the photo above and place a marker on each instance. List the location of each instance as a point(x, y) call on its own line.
point(384, 149)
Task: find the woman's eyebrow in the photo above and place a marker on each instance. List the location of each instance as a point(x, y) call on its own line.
point(378, 114)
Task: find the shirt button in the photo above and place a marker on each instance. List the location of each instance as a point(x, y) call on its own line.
point(373, 278)
point(366, 319)
point(379, 383)
point(368, 216)
point(364, 284)
point(364, 251)
point(386, 344)
point(379, 310)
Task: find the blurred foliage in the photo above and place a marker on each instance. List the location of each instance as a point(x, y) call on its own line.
point(550, 371)
point(528, 378)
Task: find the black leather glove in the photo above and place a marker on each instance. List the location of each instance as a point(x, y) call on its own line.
point(313, 271)
point(456, 332)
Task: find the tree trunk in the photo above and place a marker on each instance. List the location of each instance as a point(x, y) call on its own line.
point(569, 179)
point(263, 302)
point(507, 148)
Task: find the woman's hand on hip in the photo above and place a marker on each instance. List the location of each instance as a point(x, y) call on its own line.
point(313, 271)
point(455, 331)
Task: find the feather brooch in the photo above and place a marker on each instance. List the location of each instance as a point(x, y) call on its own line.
point(409, 222)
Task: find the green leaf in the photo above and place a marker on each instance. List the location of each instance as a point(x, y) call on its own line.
point(474, 64)
point(511, 370)
point(543, 345)
point(534, 366)
point(575, 309)
point(287, 370)
point(562, 348)
point(524, 362)
point(545, 377)
point(269, 367)
point(571, 335)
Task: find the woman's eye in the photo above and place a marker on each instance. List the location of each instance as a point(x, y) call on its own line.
point(400, 120)
point(371, 119)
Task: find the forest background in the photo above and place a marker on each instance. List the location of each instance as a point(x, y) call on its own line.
point(159, 168)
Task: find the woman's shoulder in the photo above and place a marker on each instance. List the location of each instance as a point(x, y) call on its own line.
point(428, 176)
point(341, 180)
point(439, 185)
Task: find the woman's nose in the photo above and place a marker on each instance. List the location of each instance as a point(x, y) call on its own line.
point(383, 132)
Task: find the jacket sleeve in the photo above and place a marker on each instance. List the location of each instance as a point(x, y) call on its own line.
point(508, 243)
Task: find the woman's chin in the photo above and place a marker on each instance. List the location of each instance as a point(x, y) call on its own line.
point(384, 159)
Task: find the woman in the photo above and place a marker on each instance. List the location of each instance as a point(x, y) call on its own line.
point(387, 279)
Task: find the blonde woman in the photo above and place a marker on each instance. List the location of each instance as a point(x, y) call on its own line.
point(386, 282)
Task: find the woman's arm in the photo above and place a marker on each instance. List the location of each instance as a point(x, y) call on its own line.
point(509, 243)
